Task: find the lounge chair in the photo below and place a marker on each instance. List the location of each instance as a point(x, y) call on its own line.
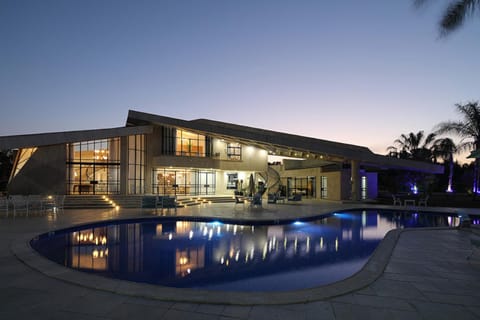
point(296, 197)
point(272, 198)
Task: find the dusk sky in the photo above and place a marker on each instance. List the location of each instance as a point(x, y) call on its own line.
point(359, 72)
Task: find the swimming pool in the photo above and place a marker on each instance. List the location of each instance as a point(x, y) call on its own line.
point(229, 255)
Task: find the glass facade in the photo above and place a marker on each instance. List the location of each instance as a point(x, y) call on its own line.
point(179, 181)
point(364, 188)
point(301, 185)
point(324, 187)
point(177, 142)
point(136, 164)
point(189, 144)
point(93, 167)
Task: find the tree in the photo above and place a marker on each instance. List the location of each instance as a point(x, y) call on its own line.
point(415, 146)
point(6, 164)
point(444, 148)
point(468, 129)
point(455, 13)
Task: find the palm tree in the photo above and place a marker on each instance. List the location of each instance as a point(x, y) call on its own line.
point(455, 13)
point(444, 148)
point(468, 129)
point(415, 146)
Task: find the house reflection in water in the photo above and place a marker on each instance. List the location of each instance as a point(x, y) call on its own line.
point(213, 254)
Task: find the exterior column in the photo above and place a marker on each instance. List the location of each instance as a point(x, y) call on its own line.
point(123, 165)
point(355, 180)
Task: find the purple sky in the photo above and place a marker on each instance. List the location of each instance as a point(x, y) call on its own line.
point(360, 72)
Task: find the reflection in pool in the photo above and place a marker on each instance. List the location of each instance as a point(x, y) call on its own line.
point(225, 256)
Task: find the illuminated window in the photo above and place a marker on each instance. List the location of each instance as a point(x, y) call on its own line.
point(93, 167)
point(136, 164)
point(234, 151)
point(189, 144)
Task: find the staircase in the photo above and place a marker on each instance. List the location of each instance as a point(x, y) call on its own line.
point(273, 178)
point(134, 201)
point(86, 202)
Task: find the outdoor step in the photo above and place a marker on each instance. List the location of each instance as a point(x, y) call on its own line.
point(134, 201)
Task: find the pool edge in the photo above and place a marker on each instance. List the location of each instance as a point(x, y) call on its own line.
point(371, 271)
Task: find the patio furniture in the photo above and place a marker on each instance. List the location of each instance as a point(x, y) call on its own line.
point(296, 197)
point(239, 199)
point(409, 202)
point(272, 198)
point(4, 204)
point(423, 201)
point(257, 200)
point(396, 200)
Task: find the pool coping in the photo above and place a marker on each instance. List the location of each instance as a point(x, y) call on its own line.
point(371, 271)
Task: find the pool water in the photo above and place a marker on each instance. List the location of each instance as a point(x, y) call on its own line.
point(230, 256)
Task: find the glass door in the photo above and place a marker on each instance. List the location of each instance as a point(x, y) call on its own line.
point(324, 188)
point(207, 182)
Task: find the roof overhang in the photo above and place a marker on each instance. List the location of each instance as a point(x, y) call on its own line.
point(284, 144)
point(53, 138)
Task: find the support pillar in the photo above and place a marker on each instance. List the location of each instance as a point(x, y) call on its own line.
point(355, 180)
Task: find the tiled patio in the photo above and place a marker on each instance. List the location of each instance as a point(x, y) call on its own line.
point(431, 274)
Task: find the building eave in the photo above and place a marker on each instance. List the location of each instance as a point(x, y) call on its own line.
point(54, 138)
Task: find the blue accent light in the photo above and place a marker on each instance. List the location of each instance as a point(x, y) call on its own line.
point(298, 223)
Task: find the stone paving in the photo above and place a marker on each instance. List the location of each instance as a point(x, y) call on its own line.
point(429, 274)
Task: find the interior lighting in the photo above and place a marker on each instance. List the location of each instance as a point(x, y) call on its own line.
point(183, 260)
point(190, 234)
point(170, 236)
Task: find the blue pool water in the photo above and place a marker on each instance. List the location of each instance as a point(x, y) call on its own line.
point(229, 256)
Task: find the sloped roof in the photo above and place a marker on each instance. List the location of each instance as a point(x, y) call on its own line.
point(270, 140)
point(52, 138)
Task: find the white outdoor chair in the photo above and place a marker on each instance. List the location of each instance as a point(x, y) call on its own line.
point(396, 200)
point(423, 201)
point(4, 204)
point(19, 203)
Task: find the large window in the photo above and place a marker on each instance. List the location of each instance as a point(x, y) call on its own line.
point(183, 181)
point(178, 142)
point(189, 144)
point(136, 164)
point(93, 167)
point(301, 185)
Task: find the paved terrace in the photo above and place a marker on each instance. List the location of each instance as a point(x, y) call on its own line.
point(418, 274)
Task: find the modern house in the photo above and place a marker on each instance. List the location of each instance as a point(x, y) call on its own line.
point(154, 154)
